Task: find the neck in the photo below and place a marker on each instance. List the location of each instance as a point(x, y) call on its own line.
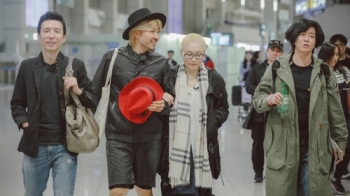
point(302, 59)
point(192, 73)
point(269, 61)
point(50, 57)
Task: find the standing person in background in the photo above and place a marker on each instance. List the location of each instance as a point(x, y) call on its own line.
point(171, 61)
point(257, 56)
point(274, 50)
point(38, 108)
point(329, 53)
point(208, 62)
point(297, 140)
point(341, 41)
point(133, 148)
point(246, 65)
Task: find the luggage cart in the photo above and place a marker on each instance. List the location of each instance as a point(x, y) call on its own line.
point(241, 98)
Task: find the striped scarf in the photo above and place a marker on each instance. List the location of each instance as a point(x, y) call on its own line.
point(179, 134)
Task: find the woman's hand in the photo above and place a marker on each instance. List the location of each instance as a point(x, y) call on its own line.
point(168, 98)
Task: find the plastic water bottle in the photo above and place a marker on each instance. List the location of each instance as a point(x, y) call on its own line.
point(283, 108)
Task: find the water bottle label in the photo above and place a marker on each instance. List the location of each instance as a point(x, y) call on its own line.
point(285, 100)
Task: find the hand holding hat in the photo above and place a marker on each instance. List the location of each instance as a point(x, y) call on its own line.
point(139, 98)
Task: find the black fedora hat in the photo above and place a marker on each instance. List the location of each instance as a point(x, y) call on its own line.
point(140, 15)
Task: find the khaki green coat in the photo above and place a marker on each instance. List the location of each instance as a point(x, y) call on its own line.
point(281, 144)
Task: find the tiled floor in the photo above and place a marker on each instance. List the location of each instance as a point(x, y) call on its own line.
point(235, 144)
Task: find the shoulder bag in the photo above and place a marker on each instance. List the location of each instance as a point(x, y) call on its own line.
point(81, 126)
point(102, 109)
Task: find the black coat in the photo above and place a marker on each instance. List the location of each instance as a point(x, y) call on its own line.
point(252, 81)
point(217, 115)
point(127, 66)
point(26, 98)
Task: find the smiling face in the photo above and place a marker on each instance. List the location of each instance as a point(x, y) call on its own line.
point(51, 35)
point(306, 41)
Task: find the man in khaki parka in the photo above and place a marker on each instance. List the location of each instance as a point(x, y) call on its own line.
point(297, 143)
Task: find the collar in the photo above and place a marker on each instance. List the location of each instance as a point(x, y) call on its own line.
point(132, 53)
point(291, 59)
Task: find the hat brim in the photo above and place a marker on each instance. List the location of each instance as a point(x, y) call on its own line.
point(276, 45)
point(159, 16)
point(123, 98)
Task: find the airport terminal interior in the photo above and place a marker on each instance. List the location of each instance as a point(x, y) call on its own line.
point(230, 28)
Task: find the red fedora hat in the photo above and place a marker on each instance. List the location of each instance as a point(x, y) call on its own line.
point(136, 96)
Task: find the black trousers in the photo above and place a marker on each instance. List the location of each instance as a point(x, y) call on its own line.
point(258, 156)
point(342, 167)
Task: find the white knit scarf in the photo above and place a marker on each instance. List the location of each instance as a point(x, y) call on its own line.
point(179, 134)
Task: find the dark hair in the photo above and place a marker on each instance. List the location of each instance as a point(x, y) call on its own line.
point(170, 51)
point(50, 15)
point(327, 52)
point(256, 54)
point(302, 26)
point(252, 62)
point(339, 37)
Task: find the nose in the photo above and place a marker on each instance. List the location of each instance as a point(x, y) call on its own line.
point(156, 35)
point(51, 34)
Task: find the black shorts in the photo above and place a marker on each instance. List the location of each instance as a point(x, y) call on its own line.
point(132, 164)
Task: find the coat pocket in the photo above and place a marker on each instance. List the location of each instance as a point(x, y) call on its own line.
point(275, 147)
point(324, 150)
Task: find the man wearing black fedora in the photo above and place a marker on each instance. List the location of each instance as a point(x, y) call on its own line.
point(133, 131)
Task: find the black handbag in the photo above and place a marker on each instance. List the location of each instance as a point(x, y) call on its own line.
point(247, 122)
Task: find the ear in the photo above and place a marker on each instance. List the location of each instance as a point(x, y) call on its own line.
point(137, 34)
point(64, 39)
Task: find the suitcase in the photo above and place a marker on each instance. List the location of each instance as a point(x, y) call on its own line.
point(236, 96)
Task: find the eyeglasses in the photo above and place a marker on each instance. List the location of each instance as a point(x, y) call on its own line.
point(190, 56)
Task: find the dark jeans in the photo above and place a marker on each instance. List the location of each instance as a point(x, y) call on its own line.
point(303, 174)
point(342, 167)
point(258, 155)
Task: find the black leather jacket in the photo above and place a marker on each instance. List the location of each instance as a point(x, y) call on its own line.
point(217, 115)
point(26, 99)
point(127, 66)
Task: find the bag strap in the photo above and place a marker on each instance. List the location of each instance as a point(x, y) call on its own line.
point(69, 73)
point(110, 68)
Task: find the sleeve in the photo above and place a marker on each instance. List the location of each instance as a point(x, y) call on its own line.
point(19, 98)
point(221, 106)
point(347, 71)
point(251, 83)
point(336, 119)
point(166, 87)
point(241, 72)
point(262, 91)
point(88, 97)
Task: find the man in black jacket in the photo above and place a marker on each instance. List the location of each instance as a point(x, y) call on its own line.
point(38, 108)
point(133, 149)
point(274, 50)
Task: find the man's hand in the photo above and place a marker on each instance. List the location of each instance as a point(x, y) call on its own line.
point(156, 106)
point(168, 98)
point(25, 124)
point(274, 99)
point(71, 82)
point(337, 157)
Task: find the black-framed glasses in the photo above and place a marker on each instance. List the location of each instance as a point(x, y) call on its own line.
point(197, 56)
